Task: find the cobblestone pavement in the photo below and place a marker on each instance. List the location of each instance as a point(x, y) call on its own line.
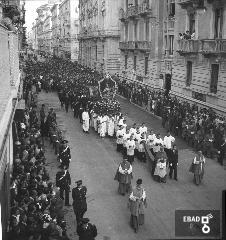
point(95, 161)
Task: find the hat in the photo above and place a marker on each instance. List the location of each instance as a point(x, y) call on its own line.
point(125, 158)
point(139, 181)
point(85, 220)
point(79, 182)
point(65, 141)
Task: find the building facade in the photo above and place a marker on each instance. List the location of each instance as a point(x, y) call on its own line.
point(68, 29)
point(10, 94)
point(141, 42)
point(99, 35)
point(199, 66)
point(55, 29)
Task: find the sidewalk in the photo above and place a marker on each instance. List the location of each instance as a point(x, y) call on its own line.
point(52, 167)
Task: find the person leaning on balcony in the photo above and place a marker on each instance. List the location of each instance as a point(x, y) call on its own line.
point(12, 17)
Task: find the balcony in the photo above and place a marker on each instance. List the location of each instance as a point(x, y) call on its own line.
point(188, 46)
point(136, 45)
point(132, 12)
point(213, 47)
point(144, 9)
point(196, 4)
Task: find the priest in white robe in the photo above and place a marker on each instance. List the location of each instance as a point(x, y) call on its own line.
point(85, 120)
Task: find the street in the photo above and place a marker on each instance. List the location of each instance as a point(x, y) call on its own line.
point(95, 161)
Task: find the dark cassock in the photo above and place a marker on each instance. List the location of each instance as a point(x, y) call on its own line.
point(173, 162)
point(79, 200)
point(86, 230)
point(65, 154)
point(137, 203)
point(222, 153)
point(63, 181)
point(124, 176)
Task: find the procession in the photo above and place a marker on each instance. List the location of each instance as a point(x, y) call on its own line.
point(100, 114)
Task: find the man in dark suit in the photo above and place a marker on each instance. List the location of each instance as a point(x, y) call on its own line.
point(63, 181)
point(173, 162)
point(86, 230)
point(222, 153)
point(65, 154)
point(79, 200)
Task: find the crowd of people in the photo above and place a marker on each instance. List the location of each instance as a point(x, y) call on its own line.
point(201, 128)
point(36, 206)
point(77, 88)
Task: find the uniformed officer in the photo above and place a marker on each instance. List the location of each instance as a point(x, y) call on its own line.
point(63, 181)
point(79, 200)
point(86, 230)
point(65, 154)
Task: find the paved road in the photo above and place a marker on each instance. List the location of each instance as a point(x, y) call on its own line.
point(95, 161)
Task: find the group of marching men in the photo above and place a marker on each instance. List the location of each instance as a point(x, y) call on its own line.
point(133, 142)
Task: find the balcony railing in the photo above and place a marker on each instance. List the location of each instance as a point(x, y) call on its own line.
point(204, 46)
point(143, 45)
point(135, 11)
point(98, 34)
point(132, 11)
point(144, 9)
point(135, 45)
point(213, 46)
point(188, 46)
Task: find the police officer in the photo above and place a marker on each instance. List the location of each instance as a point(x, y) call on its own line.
point(65, 154)
point(63, 181)
point(86, 230)
point(79, 200)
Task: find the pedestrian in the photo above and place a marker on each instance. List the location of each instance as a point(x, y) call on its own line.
point(197, 167)
point(168, 142)
point(222, 152)
point(79, 200)
point(86, 230)
point(63, 182)
point(137, 203)
point(65, 154)
point(85, 119)
point(42, 114)
point(124, 176)
point(173, 163)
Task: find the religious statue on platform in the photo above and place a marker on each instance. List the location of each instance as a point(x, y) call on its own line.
point(107, 87)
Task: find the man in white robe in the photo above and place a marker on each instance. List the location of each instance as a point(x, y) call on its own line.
point(85, 120)
point(111, 126)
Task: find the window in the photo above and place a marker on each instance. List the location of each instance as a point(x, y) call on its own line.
point(218, 23)
point(126, 32)
point(192, 23)
point(171, 41)
point(146, 65)
point(135, 31)
point(147, 30)
point(189, 73)
point(214, 78)
point(135, 63)
point(126, 59)
point(172, 8)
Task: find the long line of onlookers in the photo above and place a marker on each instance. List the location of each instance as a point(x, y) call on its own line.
point(36, 207)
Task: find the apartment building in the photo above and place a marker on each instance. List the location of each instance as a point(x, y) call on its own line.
point(141, 42)
point(68, 29)
point(55, 28)
point(199, 66)
point(99, 35)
